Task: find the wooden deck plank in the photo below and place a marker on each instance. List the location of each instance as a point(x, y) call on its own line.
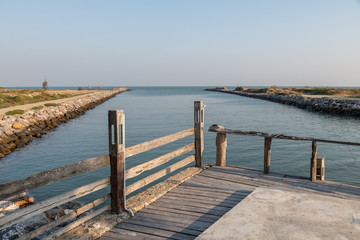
point(196, 204)
point(154, 231)
point(124, 234)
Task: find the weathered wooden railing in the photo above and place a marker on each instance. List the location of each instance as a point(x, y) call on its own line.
point(317, 164)
point(118, 175)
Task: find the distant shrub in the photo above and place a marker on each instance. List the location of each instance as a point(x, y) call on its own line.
point(14, 112)
point(37, 107)
point(51, 104)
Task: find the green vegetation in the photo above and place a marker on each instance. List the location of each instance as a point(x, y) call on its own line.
point(13, 112)
point(14, 97)
point(51, 104)
point(37, 107)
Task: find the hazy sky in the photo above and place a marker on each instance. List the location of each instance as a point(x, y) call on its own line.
point(183, 42)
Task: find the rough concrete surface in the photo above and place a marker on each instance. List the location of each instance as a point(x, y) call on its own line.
point(276, 214)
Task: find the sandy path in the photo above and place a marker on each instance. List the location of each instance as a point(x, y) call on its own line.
point(31, 105)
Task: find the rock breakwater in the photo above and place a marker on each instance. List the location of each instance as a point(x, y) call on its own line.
point(347, 107)
point(17, 131)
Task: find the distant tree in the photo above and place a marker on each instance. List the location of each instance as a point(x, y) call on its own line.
point(45, 85)
point(80, 88)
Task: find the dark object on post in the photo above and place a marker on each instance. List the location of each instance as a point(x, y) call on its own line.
point(267, 154)
point(199, 133)
point(45, 85)
point(116, 126)
point(320, 168)
point(313, 161)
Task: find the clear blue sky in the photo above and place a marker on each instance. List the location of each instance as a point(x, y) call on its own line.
point(175, 43)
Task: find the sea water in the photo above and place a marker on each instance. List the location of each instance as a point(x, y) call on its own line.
point(153, 112)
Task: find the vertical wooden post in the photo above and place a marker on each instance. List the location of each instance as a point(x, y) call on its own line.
point(313, 161)
point(267, 154)
point(320, 168)
point(221, 145)
point(117, 159)
point(199, 133)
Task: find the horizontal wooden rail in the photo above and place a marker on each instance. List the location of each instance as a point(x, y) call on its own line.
point(220, 129)
point(145, 181)
point(72, 215)
point(47, 177)
point(137, 170)
point(146, 146)
point(76, 223)
point(40, 207)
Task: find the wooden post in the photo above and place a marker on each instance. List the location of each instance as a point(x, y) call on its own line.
point(267, 154)
point(313, 161)
point(199, 133)
point(117, 160)
point(320, 168)
point(221, 145)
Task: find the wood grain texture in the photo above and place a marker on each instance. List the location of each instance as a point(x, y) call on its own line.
point(199, 133)
point(313, 162)
point(221, 145)
point(267, 154)
point(47, 177)
point(220, 129)
point(143, 147)
point(137, 170)
point(42, 206)
point(72, 215)
point(145, 181)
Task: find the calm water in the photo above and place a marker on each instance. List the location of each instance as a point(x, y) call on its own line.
point(152, 112)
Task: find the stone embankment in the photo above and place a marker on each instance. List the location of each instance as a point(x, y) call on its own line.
point(338, 106)
point(18, 130)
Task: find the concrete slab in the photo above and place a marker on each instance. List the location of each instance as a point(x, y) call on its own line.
point(277, 214)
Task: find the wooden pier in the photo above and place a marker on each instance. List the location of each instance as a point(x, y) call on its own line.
point(171, 211)
point(188, 210)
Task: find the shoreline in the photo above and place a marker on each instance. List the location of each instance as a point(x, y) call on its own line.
point(18, 130)
point(333, 105)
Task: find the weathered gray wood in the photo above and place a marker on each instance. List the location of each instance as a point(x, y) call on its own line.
point(169, 224)
point(40, 207)
point(164, 226)
point(76, 223)
point(320, 168)
point(137, 170)
point(215, 210)
point(313, 161)
point(199, 133)
point(124, 234)
point(145, 181)
point(220, 129)
point(221, 145)
point(143, 147)
point(153, 231)
point(178, 215)
point(202, 203)
point(44, 178)
point(69, 216)
point(117, 160)
point(267, 154)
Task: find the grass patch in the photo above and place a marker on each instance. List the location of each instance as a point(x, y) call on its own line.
point(14, 112)
point(37, 107)
point(51, 104)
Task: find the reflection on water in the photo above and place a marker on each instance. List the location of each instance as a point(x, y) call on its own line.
point(152, 112)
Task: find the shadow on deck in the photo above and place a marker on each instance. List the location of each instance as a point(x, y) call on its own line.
point(188, 210)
